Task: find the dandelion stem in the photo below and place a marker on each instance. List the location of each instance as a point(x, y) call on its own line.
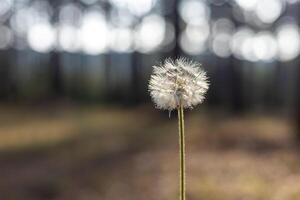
point(181, 152)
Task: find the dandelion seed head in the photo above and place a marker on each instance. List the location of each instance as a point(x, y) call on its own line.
point(179, 81)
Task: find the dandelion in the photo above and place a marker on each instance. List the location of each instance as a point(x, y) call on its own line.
point(178, 85)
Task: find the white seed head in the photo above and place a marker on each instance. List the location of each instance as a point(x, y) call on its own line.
point(178, 82)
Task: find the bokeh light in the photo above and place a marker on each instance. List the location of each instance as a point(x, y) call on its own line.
point(94, 33)
point(130, 25)
point(121, 40)
point(241, 43)
point(265, 46)
point(193, 39)
point(194, 12)
point(223, 25)
point(68, 38)
point(247, 5)
point(41, 37)
point(5, 7)
point(150, 33)
point(222, 30)
point(138, 8)
point(221, 45)
point(288, 38)
point(269, 10)
point(6, 37)
point(122, 18)
point(70, 13)
point(169, 39)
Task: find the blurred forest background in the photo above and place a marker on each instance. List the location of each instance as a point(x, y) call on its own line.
point(77, 122)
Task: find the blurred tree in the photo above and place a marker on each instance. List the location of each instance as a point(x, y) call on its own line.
point(5, 73)
point(56, 73)
point(298, 101)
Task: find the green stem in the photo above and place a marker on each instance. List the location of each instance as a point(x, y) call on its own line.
point(181, 152)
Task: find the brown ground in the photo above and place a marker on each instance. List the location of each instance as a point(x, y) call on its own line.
point(97, 153)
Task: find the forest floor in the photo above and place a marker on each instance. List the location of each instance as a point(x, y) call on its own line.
point(115, 153)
